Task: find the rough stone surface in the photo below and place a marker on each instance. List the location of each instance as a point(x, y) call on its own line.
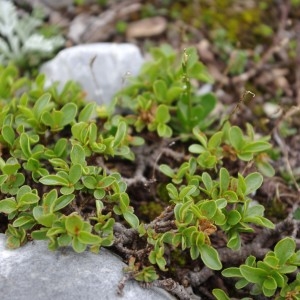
point(32, 272)
point(99, 68)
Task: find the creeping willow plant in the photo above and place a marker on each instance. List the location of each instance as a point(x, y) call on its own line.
point(269, 275)
point(55, 184)
point(165, 100)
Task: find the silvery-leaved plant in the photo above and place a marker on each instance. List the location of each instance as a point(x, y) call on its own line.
point(19, 40)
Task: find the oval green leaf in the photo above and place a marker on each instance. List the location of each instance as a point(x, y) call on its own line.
point(210, 257)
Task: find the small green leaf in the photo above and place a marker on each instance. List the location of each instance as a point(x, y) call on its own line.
point(224, 180)
point(78, 246)
point(279, 278)
point(267, 292)
point(120, 134)
point(187, 191)
point(47, 119)
point(208, 209)
point(245, 156)
point(265, 168)
point(46, 220)
point(241, 284)
point(233, 217)
point(236, 137)
point(25, 189)
point(215, 141)
point(234, 242)
point(8, 205)
point(75, 173)
point(60, 147)
point(40, 234)
point(148, 274)
point(284, 249)
point(64, 240)
point(194, 252)
point(49, 199)
point(161, 262)
point(63, 201)
point(257, 146)
point(206, 160)
point(210, 257)
point(254, 275)
point(164, 130)
point(132, 219)
point(8, 134)
point(232, 272)
point(207, 181)
point(220, 294)
point(255, 211)
point(93, 133)
point(90, 182)
point(41, 104)
point(160, 90)
point(173, 193)
point(53, 231)
point(25, 145)
point(165, 169)
point(200, 136)
point(162, 114)
point(28, 198)
point(195, 148)
point(13, 242)
point(77, 155)
point(89, 238)
point(198, 71)
point(253, 182)
point(99, 193)
point(106, 182)
point(270, 283)
point(11, 166)
point(67, 190)
point(87, 112)
point(54, 180)
point(74, 224)
point(24, 221)
point(69, 111)
point(3, 178)
point(173, 93)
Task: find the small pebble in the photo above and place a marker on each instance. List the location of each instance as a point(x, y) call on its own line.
point(272, 110)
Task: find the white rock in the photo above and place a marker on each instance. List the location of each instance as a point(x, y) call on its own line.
point(32, 272)
point(272, 110)
point(99, 68)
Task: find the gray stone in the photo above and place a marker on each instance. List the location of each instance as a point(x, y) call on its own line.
point(32, 272)
point(100, 68)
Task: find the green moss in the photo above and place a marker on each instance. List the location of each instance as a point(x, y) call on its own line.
point(150, 210)
point(237, 18)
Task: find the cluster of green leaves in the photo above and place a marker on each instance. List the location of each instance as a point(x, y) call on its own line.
point(163, 99)
point(231, 143)
point(48, 140)
point(201, 205)
point(53, 146)
point(268, 276)
point(20, 41)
